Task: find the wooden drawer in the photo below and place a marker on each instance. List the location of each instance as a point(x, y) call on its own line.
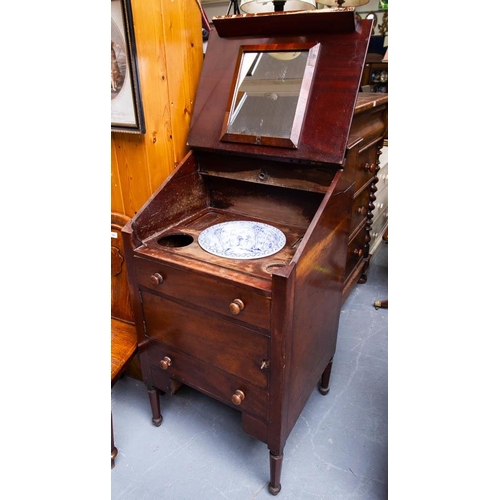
point(355, 251)
point(230, 347)
point(381, 202)
point(204, 377)
point(360, 208)
point(384, 157)
point(383, 176)
point(379, 225)
point(206, 292)
point(365, 167)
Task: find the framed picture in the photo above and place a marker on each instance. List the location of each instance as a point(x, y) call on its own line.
point(127, 114)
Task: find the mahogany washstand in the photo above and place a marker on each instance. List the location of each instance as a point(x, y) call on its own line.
point(260, 334)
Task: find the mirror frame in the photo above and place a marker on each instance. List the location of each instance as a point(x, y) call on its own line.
point(300, 111)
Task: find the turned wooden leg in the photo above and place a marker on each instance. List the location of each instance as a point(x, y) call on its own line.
point(324, 384)
point(114, 450)
point(154, 399)
point(275, 462)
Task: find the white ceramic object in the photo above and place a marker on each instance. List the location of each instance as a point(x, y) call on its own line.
point(242, 240)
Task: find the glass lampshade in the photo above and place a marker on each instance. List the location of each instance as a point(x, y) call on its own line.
point(257, 6)
point(346, 3)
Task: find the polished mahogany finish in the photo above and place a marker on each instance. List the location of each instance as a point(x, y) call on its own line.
point(370, 123)
point(260, 334)
point(336, 79)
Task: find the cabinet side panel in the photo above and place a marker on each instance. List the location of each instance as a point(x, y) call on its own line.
point(180, 195)
point(317, 299)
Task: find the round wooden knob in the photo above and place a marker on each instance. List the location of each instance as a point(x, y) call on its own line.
point(238, 397)
point(358, 252)
point(165, 363)
point(361, 210)
point(156, 279)
point(236, 306)
point(370, 167)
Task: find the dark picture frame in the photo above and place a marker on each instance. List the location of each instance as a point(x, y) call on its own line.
point(127, 114)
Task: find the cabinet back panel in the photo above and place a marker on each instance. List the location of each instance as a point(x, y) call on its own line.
point(296, 208)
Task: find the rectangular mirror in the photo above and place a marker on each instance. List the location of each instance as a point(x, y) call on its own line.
point(269, 96)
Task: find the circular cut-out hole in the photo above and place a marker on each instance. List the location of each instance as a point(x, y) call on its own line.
point(271, 267)
point(176, 240)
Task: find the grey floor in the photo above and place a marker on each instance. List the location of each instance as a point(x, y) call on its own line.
point(337, 449)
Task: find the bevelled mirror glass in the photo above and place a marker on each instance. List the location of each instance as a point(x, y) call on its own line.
point(269, 96)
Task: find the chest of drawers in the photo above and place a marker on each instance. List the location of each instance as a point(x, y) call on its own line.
point(260, 334)
point(370, 123)
point(216, 340)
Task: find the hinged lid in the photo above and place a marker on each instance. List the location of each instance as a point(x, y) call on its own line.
point(281, 86)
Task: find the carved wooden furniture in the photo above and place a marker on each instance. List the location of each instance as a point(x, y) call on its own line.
point(123, 334)
point(260, 334)
point(370, 115)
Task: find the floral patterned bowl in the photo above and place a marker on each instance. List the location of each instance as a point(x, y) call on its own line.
point(242, 240)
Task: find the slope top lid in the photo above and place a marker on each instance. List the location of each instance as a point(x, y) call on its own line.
point(281, 86)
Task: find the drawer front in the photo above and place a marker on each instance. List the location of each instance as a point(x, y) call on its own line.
point(384, 157)
point(366, 167)
point(381, 202)
point(204, 377)
point(379, 225)
point(230, 347)
point(355, 251)
point(220, 296)
point(360, 208)
point(383, 176)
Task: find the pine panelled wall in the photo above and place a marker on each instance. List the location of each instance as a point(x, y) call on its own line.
point(169, 56)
